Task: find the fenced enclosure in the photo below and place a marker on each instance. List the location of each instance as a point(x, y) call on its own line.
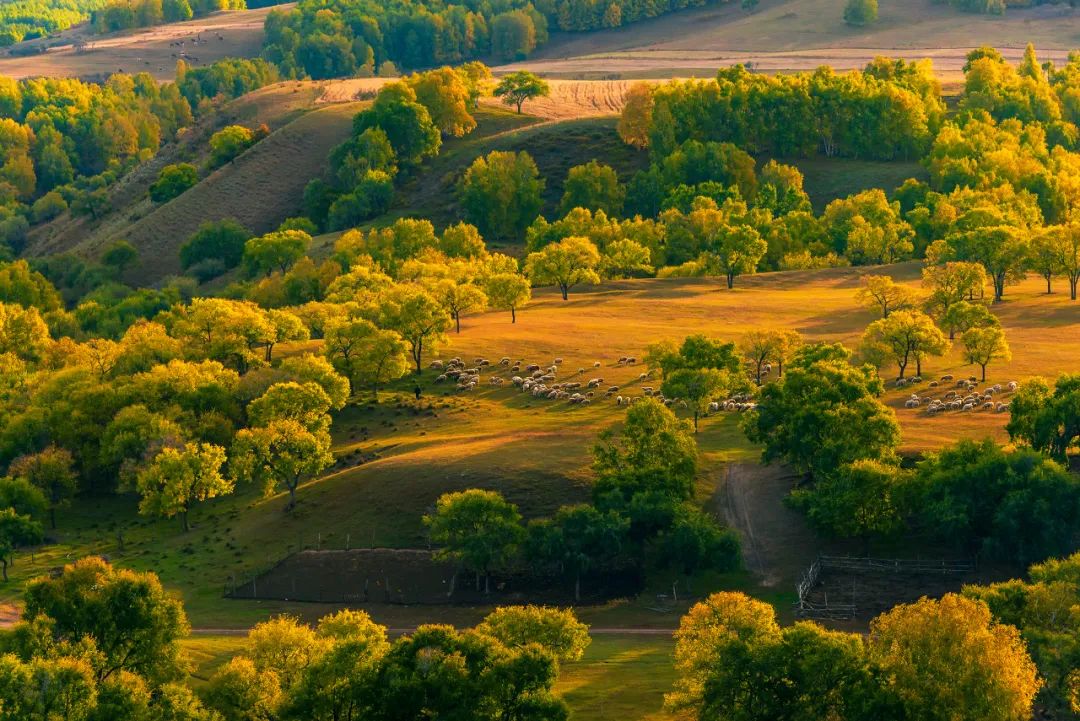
point(841, 588)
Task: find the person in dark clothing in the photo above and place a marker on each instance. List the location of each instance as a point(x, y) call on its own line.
point(416, 390)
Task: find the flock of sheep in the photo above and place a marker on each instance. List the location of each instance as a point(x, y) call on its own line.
point(542, 381)
point(965, 396)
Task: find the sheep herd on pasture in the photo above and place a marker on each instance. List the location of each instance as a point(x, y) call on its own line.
point(965, 395)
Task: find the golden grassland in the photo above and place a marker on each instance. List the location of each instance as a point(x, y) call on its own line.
point(535, 452)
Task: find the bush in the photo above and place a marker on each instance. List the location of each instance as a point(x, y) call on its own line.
point(299, 223)
point(222, 241)
point(172, 181)
point(861, 12)
point(370, 198)
point(228, 143)
point(207, 269)
point(48, 206)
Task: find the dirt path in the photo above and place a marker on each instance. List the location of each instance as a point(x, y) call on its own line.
point(777, 543)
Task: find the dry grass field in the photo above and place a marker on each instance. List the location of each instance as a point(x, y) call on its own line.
point(78, 52)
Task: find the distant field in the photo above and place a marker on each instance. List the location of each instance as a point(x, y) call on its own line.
point(151, 50)
point(786, 35)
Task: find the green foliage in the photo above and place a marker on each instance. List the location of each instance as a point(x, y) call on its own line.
point(172, 181)
point(500, 193)
point(124, 14)
point(859, 500)
point(223, 241)
point(579, 539)
point(594, 186)
point(407, 124)
point(178, 478)
point(570, 262)
point(477, 529)
point(823, 414)
point(227, 143)
point(517, 87)
point(1018, 506)
point(556, 630)
point(369, 198)
point(861, 12)
point(1045, 418)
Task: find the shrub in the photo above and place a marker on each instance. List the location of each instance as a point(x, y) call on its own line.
point(172, 181)
point(222, 241)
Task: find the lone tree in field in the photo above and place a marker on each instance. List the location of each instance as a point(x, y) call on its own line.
point(567, 263)
point(508, 291)
point(517, 87)
point(883, 294)
point(904, 336)
point(984, 345)
point(861, 12)
point(478, 529)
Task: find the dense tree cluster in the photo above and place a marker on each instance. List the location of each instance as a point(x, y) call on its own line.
point(30, 19)
point(334, 38)
point(125, 14)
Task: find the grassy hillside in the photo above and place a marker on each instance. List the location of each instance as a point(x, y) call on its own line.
point(535, 452)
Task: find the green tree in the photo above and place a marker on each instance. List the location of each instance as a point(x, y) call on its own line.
point(517, 87)
point(557, 630)
point(172, 181)
point(883, 294)
point(416, 316)
point(861, 12)
point(1046, 418)
point(652, 451)
point(626, 258)
point(16, 531)
point(513, 35)
point(962, 316)
point(594, 186)
point(120, 256)
point(698, 387)
point(983, 346)
point(223, 241)
point(568, 263)
point(276, 251)
point(364, 354)
point(227, 143)
point(822, 414)
point(903, 336)
point(477, 529)
point(52, 470)
point(281, 453)
point(507, 291)
point(178, 478)
point(239, 692)
point(407, 124)
point(446, 96)
point(134, 624)
point(859, 500)
point(501, 193)
point(578, 540)
point(459, 298)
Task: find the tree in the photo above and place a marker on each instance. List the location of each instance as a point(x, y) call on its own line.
point(1048, 250)
point(16, 531)
point(1017, 506)
point(306, 403)
point(946, 659)
point(364, 354)
point(625, 258)
point(578, 539)
point(952, 282)
point(652, 451)
point(446, 96)
point(557, 630)
point(984, 345)
point(858, 500)
point(23, 332)
point(462, 241)
point(517, 87)
point(507, 291)
point(822, 414)
point(1069, 249)
point(407, 124)
point(1047, 419)
point(120, 256)
point(1002, 251)
point(759, 347)
point(903, 336)
point(281, 453)
point(134, 624)
point(172, 181)
point(501, 193)
point(698, 387)
point(241, 693)
point(861, 12)
point(636, 117)
point(882, 293)
point(695, 542)
point(369, 198)
point(52, 471)
point(222, 241)
point(227, 143)
point(459, 298)
point(477, 529)
point(276, 251)
point(962, 316)
point(569, 262)
point(513, 35)
point(594, 186)
point(178, 478)
point(416, 316)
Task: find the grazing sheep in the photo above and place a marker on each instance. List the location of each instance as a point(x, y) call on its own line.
point(531, 368)
point(613, 389)
point(933, 384)
point(631, 361)
point(517, 380)
point(1001, 407)
point(916, 379)
point(911, 403)
point(1012, 386)
point(622, 360)
point(558, 361)
point(581, 371)
point(714, 407)
point(436, 365)
point(968, 407)
point(946, 378)
point(989, 405)
point(902, 382)
point(643, 377)
point(596, 364)
point(618, 400)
